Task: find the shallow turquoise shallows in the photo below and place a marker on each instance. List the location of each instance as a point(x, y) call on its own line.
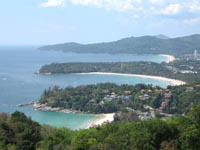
point(19, 84)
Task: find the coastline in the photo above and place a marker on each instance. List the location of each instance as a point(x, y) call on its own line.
point(170, 58)
point(44, 107)
point(101, 120)
point(173, 82)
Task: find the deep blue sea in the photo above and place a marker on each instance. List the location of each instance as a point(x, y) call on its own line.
point(19, 84)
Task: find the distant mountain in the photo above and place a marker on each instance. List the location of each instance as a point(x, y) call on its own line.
point(135, 45)
point(161, 36)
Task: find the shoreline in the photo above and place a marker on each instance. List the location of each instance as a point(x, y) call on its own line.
point(173, 82)
point(170, 58)
point(101, 120)
point(44, 107)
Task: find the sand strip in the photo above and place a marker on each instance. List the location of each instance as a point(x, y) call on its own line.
point(170, 81)
point(170, 58)
point(102, 118)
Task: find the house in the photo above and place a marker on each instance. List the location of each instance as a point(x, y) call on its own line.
point(197, 85)
point(167, 95)
point(144, 115)
point(163, 104)
point(189, 89)
point(127, 92)
point(111, 97)
point(113, 93)
point(158, 90)
point(125, 97)
point(188, 71)
point(166, 90)
point(142, 91)
point(92, 101)
point(130, 109)
point(149, 91)
point(144, 97)
point(159, 110)
point(108, 98)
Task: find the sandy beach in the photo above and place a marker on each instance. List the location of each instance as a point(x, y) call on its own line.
point(170, 58)
point(170, 81)
point(102, 118)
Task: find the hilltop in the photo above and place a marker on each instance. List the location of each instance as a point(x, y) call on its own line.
point(160, 44)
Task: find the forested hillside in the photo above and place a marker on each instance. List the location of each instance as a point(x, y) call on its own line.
point(109, 98)
point(173, 70)
point(17, 132)
point(135, 45)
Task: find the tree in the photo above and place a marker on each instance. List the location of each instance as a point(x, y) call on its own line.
point(195, 114)
point(189, 139)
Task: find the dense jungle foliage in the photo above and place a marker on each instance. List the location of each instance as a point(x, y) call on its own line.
point(174, 70)
point(17, 132)
point(109, 97)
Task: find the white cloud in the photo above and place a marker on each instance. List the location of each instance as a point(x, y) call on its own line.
point(118, 5)
point(53, 3)
point(157, 2)
point(171, 9)
point(96, 3)
point(141, 8)
point(194, 6)
point(136, 16)
point(192, 21)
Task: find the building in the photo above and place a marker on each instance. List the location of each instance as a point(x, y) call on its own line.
point(195, 54)
point(168, 95)
point(144, 97)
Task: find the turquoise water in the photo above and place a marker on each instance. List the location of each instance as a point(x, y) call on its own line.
point(19, 84)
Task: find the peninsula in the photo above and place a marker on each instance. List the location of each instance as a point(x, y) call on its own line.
point(183, 70)
point(108, 98)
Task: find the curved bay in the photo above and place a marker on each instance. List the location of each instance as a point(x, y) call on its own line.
point(19, 84)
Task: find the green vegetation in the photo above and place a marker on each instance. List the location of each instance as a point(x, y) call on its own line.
point(108, 98)
point(100, 98)
point(181, 133)
point(175, 70)
point(117, 67)
point(17, 132)
point(135, 45)
point(189, 65)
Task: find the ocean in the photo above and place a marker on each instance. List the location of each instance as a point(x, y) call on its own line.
point(19, 84)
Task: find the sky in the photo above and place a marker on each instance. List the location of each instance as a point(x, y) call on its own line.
point(41, 22)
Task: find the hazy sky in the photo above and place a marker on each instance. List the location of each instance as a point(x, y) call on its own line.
point(34, 22)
